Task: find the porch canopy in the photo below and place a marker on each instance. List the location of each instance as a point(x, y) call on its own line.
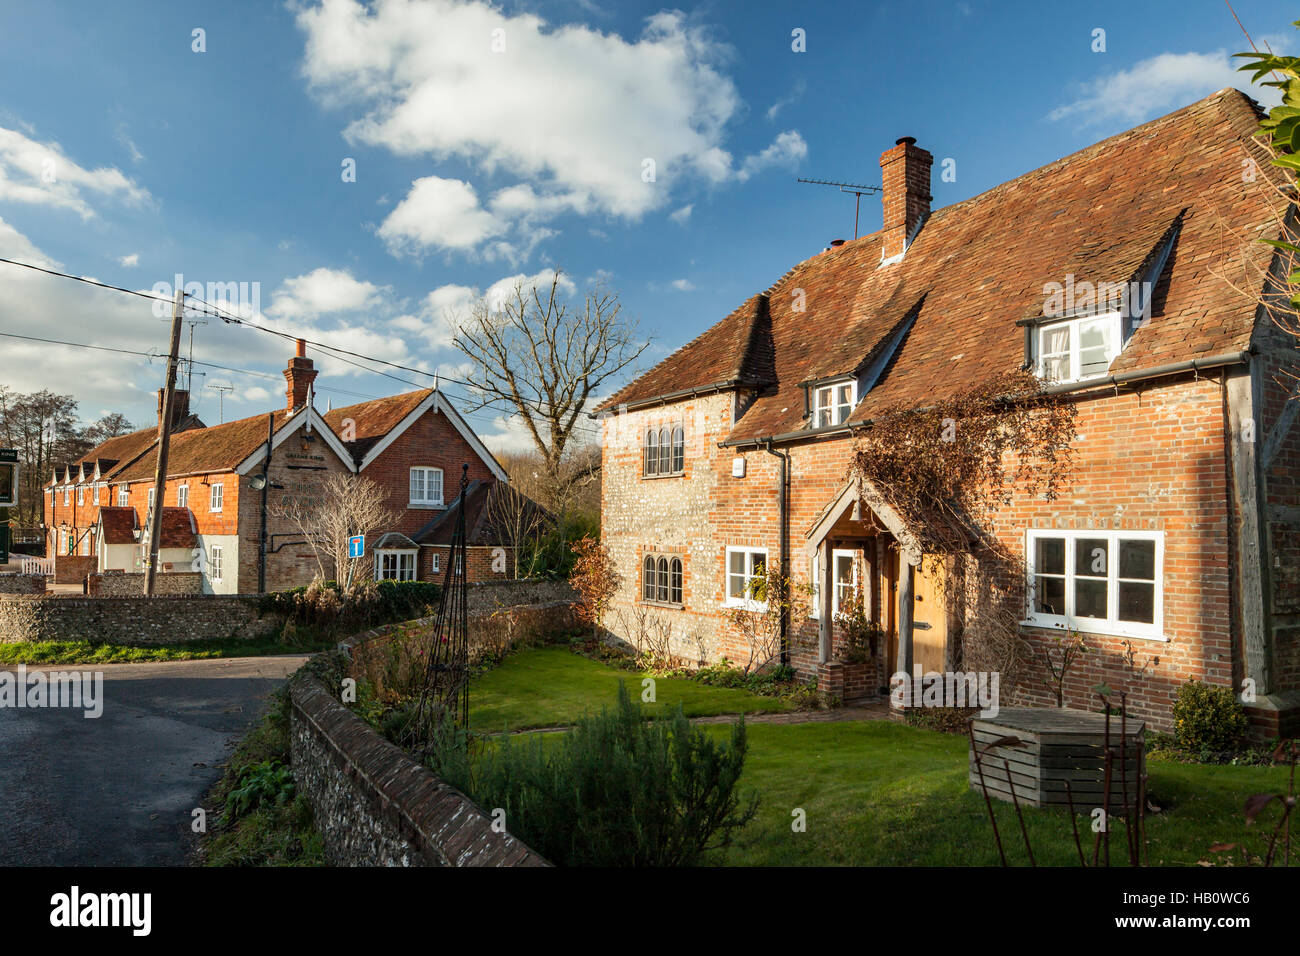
point(860, 513)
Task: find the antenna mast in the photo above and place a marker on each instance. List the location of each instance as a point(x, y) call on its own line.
point(221, 400)
point(856, 188)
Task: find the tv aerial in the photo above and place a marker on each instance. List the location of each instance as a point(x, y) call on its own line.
point(856, 188)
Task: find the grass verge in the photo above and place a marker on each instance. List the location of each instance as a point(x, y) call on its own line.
point(92, 652)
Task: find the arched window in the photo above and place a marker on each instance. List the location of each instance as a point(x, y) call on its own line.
point(663, 580)
point(679, 449)
point(665, 452)
point(675, 581)
point(648, 580)
point(651, 453)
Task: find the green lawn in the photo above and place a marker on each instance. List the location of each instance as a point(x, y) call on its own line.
point(876, 792)
point(880, 793)
point(86, 652)
point(551, 686)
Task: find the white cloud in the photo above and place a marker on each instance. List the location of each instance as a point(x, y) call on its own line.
point(681, 285)
point(322, 291)
point(445, 305)
point(784, 151)
point(680, 216)
point(572, 110)
point(40, 174)
point(795, 94)
point(1157, 85)
point(438, 213)
point(130, 261)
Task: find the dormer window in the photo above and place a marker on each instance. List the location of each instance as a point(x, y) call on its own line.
point(1078, 349)
point(833, 402)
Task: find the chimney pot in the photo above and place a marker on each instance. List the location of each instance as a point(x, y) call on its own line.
point(299, 375)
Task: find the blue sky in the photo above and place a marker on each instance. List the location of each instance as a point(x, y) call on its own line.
point(475, 165)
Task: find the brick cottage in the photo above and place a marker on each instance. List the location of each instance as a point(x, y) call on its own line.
point(1174, 550)
point(98, 510)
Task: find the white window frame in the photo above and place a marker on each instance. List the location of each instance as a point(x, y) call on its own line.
point(215, 555)
point(425, 501)
point(399, 555)
point(747, 603)
point(94, 493)
point(840, 412)
point(815, 610)
point(1110, 625)
point(183, 496)
point(1076, 325)
point(66, 495)
point(217, 497)
point(435, 563)
point(81, 495)
point(123, 496)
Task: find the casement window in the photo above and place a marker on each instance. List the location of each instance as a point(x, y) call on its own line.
point(94, 493)
point(661, 579)
point(426, 487)
point(747, 578)
point(664, 451)
point(1105, 582)
point(151, 498)
point(395, 565)
point(845, 576)
point(832, 403)
point(435, 563)
point(183, 496)
point(81, 494)
point(123, 495)
point(217, 497)
point(214, 562)
point(65, 495)
point(1078, 349)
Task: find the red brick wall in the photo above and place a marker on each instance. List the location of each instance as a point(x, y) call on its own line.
point(431, 441)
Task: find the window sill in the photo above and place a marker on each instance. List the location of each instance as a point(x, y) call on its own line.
point(1101, 629)
point(668, 605)
point(426, 505)
point(754, 606)
point(671, 474)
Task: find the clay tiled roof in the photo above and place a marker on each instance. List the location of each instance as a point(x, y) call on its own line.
point(374, 419)
point(978, 266)
point(208, 450)
point(119, 453)
point(178, 528)
point(118, 524)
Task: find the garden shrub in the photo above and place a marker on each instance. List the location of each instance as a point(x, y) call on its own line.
point(1208, 719)
point(616, 790)
point(324, 607)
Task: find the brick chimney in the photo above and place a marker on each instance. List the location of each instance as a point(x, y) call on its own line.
point(180, 406)
point(300, 374)
point(905, 176)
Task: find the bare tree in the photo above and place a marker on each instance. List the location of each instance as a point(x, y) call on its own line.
point(342, 506)
point(537, 356)
point(519, 523)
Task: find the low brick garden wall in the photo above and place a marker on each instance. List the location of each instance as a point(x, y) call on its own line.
point(166, 619)
point(374, 805)
point(73, 568)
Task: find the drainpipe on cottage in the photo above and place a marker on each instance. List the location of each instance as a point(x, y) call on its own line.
point(782, 493)
point(266, 482)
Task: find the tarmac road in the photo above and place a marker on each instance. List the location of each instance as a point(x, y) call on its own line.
point(118, 790)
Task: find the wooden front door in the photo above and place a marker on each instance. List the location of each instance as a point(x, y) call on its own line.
point(930, 617)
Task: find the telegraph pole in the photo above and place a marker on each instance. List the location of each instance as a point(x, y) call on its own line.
point(164, 437)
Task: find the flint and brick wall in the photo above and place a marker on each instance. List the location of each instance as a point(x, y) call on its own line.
point(22, 584)
point(124, 584)
point(1154, 460)
point(375, 806)
point(134, 620)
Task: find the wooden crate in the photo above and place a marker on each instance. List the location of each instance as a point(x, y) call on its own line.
point(1058, 745)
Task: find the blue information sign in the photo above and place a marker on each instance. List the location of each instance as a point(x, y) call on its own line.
point(357, 546)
